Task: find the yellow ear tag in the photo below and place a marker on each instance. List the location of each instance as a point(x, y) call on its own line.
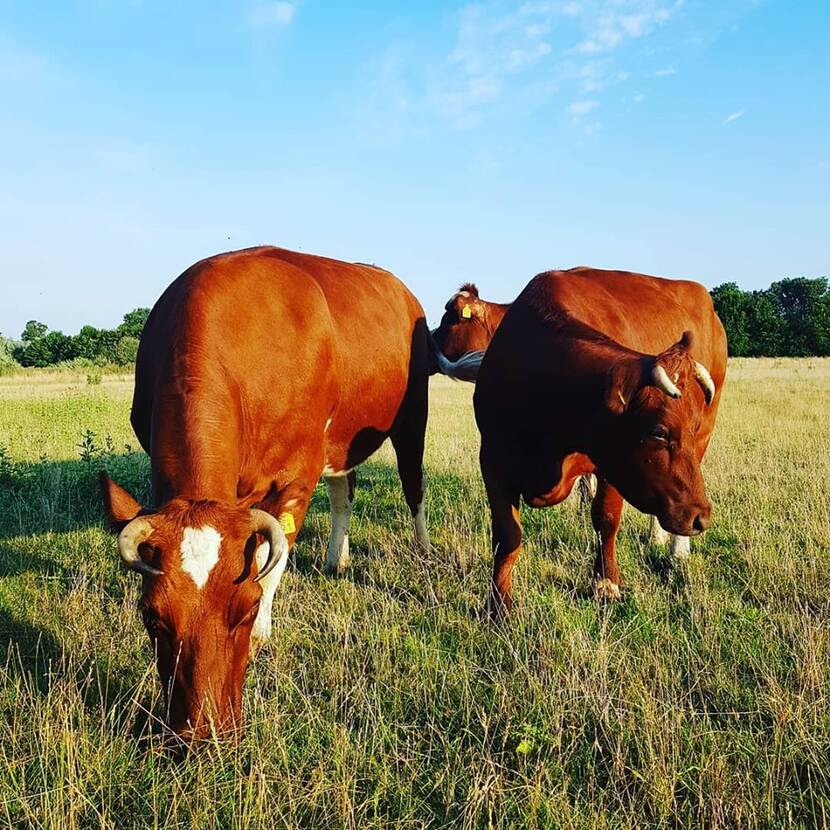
point(286, 521)
point(466, 313)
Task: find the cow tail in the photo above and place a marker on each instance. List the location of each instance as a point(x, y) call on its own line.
point(465, 368)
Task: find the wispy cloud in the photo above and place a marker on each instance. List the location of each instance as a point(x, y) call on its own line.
point(271, 15)
point(734, 116)
point(506, 53)
point(580, 108)
point(612, 23)
point(664, 72)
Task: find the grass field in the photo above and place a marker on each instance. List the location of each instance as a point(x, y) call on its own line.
point(384, 700)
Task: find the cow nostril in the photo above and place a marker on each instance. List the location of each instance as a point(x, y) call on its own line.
point(703, 521)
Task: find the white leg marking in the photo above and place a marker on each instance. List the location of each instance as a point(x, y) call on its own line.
point(200, 552)
point(680, 547)
point(337, 558)
point(657, 536)
point(420, 520)
point(261, 630)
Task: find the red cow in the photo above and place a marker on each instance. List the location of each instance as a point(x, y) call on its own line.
point(259, 371)
point(468, 323)
point(599, 370)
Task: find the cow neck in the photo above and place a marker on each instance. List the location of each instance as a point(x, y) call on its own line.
point(194, 453)
point(581, 376)
point(493, 315)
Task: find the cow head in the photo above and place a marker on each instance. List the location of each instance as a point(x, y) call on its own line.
point(200, 563)
point(646, 445)
point(464, 326)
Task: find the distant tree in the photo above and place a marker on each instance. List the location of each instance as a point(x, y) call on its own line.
point(7, 360)
point(126, 350)
point(88, 342)
point(764, 326)
point(803, 306)
point(731, 306)
point(134, 322)
point(33, 331)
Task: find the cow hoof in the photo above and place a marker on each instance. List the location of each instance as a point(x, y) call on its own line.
point(497, 608)
point(605, 590)
point(339, 567)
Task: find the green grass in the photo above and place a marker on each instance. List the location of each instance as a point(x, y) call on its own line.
point(383, 699)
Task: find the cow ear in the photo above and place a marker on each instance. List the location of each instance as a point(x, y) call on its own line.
point(624, 380)
point(121, 508)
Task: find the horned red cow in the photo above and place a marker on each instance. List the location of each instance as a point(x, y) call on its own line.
point(258, 371)
point(609, 371)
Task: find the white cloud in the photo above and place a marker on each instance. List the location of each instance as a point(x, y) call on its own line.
point(271, 15)
point(733, 116)
point(580, 108)
point(507, 54)
point(665, 71)
point(612, 22)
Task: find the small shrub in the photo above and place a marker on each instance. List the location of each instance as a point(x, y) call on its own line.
point(94, 378)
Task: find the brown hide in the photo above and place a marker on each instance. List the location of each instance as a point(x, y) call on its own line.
point(566, 387)
point(258, 370)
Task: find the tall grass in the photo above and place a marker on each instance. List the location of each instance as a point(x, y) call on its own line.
point(383, 699)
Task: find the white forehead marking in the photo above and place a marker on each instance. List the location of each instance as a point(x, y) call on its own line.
point(200, 552)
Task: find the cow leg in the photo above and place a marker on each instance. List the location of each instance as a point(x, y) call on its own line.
point(341, 496)
point(606, 512)
point(506, 542)
point(680, 547)
point(408, 441)
point(657, 536)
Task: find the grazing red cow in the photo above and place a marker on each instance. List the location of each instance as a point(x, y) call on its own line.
point(258, 372)
point(599, 370)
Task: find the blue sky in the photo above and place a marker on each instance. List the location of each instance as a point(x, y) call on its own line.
point(447, 142)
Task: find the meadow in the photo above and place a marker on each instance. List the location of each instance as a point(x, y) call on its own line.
point(384, 698)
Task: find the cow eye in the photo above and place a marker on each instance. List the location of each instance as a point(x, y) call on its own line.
point(659, 433)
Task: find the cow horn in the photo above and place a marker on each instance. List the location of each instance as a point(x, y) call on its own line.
point(264, 523)
point(129, 539)
point(662, 381)
point(705, 380)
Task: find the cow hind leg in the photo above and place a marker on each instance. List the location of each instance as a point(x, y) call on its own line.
point(506, 528)
point(408, 441)
point(341, 496)
point(606, 512)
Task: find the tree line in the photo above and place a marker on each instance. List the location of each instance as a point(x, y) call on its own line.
point(791, 318)
point(40, 347)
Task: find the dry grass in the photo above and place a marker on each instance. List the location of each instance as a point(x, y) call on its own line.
point(700, 699)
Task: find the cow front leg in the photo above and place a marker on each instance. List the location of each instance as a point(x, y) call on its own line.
point(680, 547)
point(506, 529)
point(657, 536)
point(341, 496)
point(606, 512)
